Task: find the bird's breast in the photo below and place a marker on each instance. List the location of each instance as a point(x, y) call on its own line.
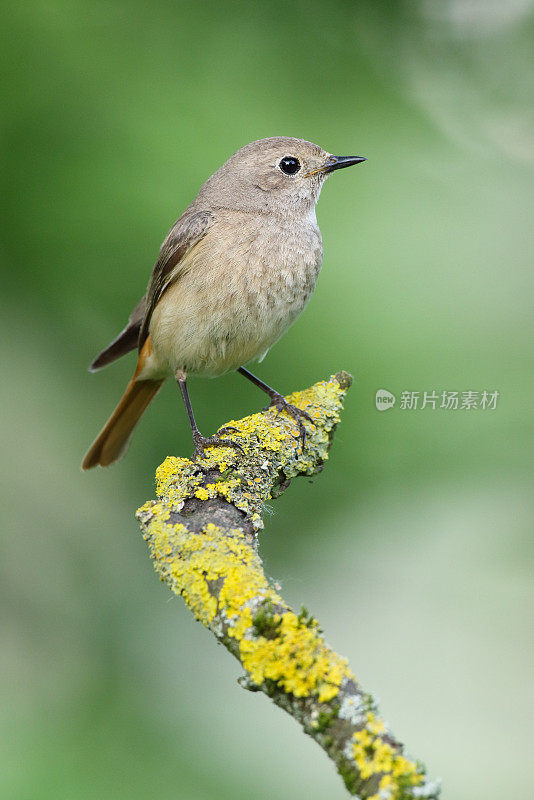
point(246, 282)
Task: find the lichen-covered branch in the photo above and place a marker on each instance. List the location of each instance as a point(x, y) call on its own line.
point(202, 534)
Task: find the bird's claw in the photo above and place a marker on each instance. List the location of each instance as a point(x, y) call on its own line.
point(279, 402)
point(201, 442)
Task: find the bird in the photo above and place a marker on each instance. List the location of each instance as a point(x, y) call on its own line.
point(233, 273)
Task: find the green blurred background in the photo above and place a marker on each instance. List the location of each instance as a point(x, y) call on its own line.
point(414, 546)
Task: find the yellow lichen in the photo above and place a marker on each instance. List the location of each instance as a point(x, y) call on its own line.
point(294, 655)
point(272, 446)
point(219, 573)
point(376, 757)
point(296, 658)
point(176, 480)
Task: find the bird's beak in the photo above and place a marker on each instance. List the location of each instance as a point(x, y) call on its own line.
point(336, 162)
point(339, 162)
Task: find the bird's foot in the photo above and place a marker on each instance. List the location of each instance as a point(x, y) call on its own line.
point(201, 442)
point(279, 402)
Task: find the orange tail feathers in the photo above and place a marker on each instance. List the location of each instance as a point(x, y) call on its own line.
point(113, 440)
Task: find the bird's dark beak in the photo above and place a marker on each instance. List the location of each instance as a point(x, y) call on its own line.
point(339, 162)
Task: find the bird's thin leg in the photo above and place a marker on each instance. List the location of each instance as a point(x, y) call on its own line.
point(200, 441)
point(279, 402)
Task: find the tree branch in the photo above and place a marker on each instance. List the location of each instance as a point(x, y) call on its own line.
point(202, 536)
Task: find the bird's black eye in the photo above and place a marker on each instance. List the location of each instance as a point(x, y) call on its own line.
point(289, 164)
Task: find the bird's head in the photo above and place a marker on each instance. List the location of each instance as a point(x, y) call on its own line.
point(277, 175)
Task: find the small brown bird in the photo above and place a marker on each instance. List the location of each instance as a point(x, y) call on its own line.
point(234, 272)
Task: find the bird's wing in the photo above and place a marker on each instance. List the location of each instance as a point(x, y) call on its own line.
point(185, 233)
point(183, 236)
point(125, 341)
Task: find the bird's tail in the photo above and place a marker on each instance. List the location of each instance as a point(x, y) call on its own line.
point(112, 442)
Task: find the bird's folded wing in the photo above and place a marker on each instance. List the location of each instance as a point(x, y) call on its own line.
point(125, 341)
point(183, 236)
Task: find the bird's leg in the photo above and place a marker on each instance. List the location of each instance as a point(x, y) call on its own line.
point(280, 403)
point(201, 442)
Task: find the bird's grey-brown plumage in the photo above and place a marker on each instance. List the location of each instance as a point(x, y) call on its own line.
point(234, 272)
